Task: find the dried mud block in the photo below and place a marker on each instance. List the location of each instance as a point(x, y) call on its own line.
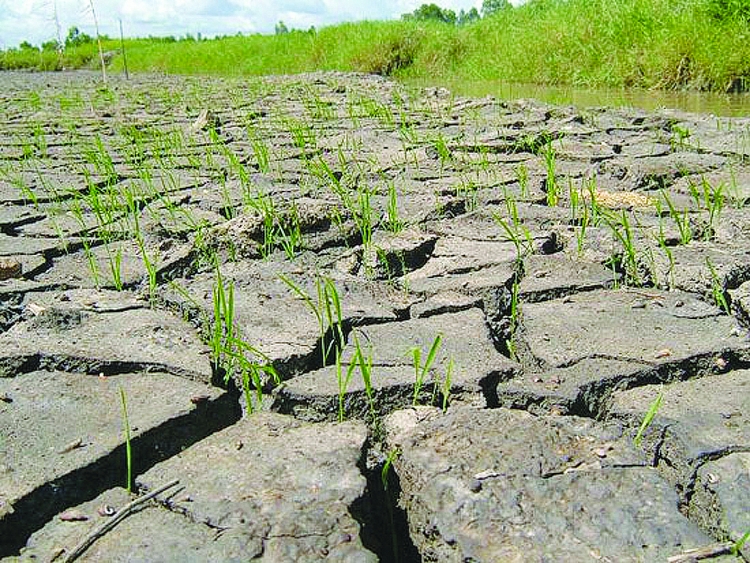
point(577, 349)
point(465, 352)
point(12, 246)
point(280, 489)
point(78, 338)
point(274, 318)
point(647, 327)
point(720, 498)
point(741, 303)
point(469, 266)
point(108, 265)
point(692, 425)
point(63, 435)
point(152, 533)
point(394, 254)
point(557, 275)
point(698, 267)
point(501, 485)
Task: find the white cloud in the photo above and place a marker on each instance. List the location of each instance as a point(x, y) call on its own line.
point(34, 20)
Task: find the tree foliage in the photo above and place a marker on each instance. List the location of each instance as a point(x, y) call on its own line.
point(432, 12)
point(76, 38)
point(490, 7)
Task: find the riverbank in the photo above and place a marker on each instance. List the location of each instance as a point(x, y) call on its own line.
point(654, 44)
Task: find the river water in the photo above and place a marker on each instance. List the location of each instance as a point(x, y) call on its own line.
point(735, 105)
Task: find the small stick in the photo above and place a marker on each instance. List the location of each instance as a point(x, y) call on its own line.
point(698, 553)
point(112, 522)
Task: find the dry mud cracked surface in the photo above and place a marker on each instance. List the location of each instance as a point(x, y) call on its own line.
point(342, 320)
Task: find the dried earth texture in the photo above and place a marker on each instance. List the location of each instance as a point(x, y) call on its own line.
point(341, 320)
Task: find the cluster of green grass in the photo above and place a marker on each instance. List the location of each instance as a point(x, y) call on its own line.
point(669, 44)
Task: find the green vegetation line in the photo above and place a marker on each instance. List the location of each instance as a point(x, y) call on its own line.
point(656, 44)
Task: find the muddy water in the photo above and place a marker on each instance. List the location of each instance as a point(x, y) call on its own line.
point(728, 105)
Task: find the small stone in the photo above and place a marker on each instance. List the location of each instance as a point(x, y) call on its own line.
point(73, 516)
point(10, 268)
point(75, 444)
point(663, 353)
point(106, 510)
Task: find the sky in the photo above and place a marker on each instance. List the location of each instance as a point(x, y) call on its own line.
point(34, 20)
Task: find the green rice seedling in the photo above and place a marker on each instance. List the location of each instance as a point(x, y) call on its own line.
point(393, 222)
point(713, 200)
point(223, 327)
point(522, 177)
point(679, 137)
point(343, 381)
point(115, 265)
point(303, 136)
point(515, 314)
point(574, 196)
point(384, 475)
point(593, 203)
point(740, 543)
point(148, 263)
point(363, 216)
point(252, 371)
point(444, 153)
point(128, 450)
point(327, 311)
point(670, 257)
point(446, 386)
point(717, 289)
point(681, 220)
point(551, 185)
point(623, 233)
point(515, 231)
point(584, 222)
point(93, 264)
point(468, 189)
point(733, 190)
point(261, 153)
point(648, 418)
point(290, 237)
point(365, 369)
point(422, 370)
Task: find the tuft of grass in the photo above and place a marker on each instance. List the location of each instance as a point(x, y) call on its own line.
point(648, 418)
point(327, 310)
point(421, 370)
point(126, 430)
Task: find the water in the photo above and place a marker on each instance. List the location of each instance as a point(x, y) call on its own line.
point(730, 105)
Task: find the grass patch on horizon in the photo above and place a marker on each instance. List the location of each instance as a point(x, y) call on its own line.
point(662, 44)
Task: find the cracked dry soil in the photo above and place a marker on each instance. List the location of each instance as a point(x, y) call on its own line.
point(251, 264)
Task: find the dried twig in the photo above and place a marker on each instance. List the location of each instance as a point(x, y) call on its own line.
point(112, 522)
point(699, 553)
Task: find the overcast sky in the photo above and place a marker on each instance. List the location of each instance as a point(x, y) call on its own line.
point(34, 20)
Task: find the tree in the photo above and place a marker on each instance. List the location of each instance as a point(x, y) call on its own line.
point(431, 12)
point(281, 28)
point(51, 45)
point(76, 37)
point(468, 17)
point(490, 7)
